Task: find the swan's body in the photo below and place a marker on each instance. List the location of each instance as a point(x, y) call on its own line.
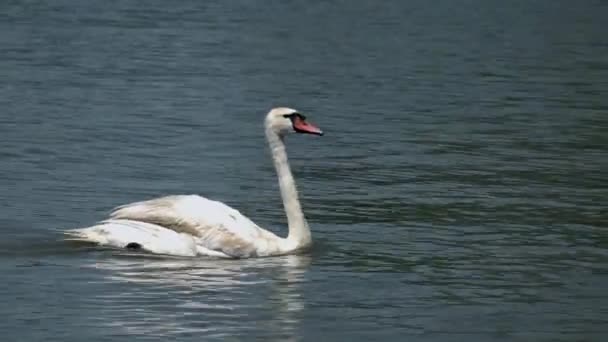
point(189, 225)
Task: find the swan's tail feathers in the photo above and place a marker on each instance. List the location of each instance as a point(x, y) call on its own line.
point(126, 234)
point(94, 234)
point(75, 235)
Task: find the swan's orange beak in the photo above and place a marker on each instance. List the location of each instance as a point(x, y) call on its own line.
point(301, 126)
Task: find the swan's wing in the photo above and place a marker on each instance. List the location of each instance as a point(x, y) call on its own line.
point(213, 224)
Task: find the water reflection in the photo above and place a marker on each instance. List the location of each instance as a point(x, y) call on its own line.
point(182, 297)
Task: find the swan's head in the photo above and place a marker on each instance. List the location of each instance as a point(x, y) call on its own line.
point(286, 120)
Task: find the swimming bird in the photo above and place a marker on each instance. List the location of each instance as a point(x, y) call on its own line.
point(191, 225)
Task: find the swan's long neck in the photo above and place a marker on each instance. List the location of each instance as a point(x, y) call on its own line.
point(299, 232)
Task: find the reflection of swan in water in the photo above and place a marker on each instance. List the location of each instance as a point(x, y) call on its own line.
point(193, 225)
point(169, 297)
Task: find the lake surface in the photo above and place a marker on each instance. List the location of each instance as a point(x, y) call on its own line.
point(460, 192)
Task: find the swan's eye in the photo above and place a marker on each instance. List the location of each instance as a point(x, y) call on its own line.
point(293, 115)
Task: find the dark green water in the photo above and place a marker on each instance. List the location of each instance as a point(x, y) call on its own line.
point(460, 193)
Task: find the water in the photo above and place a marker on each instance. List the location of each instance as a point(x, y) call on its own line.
point(458, 195)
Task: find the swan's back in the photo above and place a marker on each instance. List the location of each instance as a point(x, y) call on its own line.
point(189, 214)
point(213, 224)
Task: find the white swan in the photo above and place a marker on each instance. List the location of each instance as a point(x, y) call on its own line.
point(189, 225)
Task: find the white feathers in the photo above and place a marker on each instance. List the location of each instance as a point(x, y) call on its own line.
point(188, 225)
point(151, 238)
point(185, 225)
